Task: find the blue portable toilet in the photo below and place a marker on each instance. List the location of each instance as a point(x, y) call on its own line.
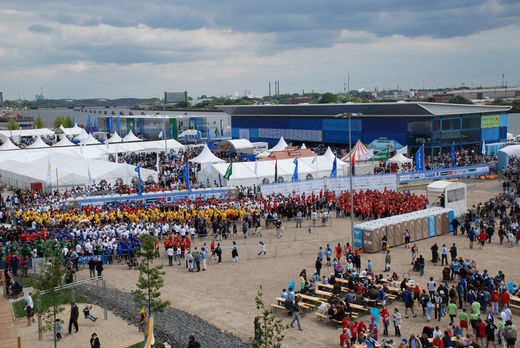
point(451, 214)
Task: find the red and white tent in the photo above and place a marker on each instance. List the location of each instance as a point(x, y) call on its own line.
point(359, 153)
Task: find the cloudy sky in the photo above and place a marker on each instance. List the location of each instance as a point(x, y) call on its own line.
point(117, 48)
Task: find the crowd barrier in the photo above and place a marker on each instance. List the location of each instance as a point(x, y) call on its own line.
point(443, 174)
point(153, 197)
point(341, 184)
point(420, 224)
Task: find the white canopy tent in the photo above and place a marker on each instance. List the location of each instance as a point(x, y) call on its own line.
point(82, 136)
point(303, 147)
point(115, 138)
point(400, 159)
point(8, 145)
point(26, 133)
point(239, 145)
point(63, 142)
point(255, 173)
point(280, 146)
point(90, 140)
point(206, 156)
point(38, 144)
point(454, 195)
point(73, 131)
point(131, 137)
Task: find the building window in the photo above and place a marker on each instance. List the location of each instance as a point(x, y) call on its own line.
point(471, 122)
point(451, 124)
point(419, 126)
point(450, 137)
point(471, 136)
point(436, 125)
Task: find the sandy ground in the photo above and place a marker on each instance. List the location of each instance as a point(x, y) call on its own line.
point(224, 294)
point(114, 332)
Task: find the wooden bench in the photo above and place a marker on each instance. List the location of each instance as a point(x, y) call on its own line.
point(323, 316)
point(278, 307)
point(513, 306)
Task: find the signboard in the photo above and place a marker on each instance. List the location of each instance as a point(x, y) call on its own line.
point(358, 237)
point(175, 97)
point(338, 185)
point(490, 121)
point(155, 197)
point(446, 173)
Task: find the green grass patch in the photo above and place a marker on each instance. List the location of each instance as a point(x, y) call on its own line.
point(140, 345)
point(28, 282)
point(63, 298)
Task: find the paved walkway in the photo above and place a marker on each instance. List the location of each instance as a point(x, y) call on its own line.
point(8, 337)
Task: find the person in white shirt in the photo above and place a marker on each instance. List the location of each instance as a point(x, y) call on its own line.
point(29, 307)
point(169, 252)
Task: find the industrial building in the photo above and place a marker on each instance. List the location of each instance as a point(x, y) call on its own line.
point(436, 126)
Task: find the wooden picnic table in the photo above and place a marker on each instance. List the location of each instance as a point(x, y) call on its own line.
point(330, 287)
point(323, 293)
point(303, 305)
point(514, 298)
point(312, 298)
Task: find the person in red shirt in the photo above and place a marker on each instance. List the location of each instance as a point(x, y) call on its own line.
point(480, 332)
point(354, 332)
point(482, 237)
point(495, 299)
point(505, 299)
point(344, 340)
point(437, 342)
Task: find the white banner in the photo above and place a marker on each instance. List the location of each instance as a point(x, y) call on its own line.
point(338, 185)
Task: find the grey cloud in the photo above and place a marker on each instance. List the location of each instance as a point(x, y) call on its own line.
point(39, 28)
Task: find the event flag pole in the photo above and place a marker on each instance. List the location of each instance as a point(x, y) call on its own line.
point(350, 172)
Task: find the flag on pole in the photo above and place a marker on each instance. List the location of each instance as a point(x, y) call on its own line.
point(483, 147)
point(171, 131)
point(88, 121)
point(118, 124)
point(157, 162)
point(334, 171)
point(48, 171)
point(403, 151)
point(229, 171)
point(209, 135)
point(452, 154)
point(138, 170)
point(160, 134)
point(276, 171)
point(295, 174)
point(419, 160)
point(73, 120)
point(95, 121)
point(219, 180)
point(186, 176)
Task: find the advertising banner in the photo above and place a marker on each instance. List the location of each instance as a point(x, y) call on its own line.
point(358, 238)
point(490, 121)
point(445, 173)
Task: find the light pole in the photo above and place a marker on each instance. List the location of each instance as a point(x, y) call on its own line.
point(349, 116)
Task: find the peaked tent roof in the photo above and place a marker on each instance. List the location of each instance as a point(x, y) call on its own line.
point(131, 137)
point(329, 154)
point(83, 135)
point(206, 156)
point(357, 153)
point(115, 138)
point(8, 145)
point(303, 147)
point(63, 142)
point(37, 144)
point(280, 146)
point(400, 159)
point(91, 140)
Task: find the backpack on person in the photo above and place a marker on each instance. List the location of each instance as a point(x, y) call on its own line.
point(509, 332)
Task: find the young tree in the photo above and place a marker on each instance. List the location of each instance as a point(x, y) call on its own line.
point(68, 122)
point(38, 123)
point(268, 329)
point(58, 121)
point(51, 277)
point(150, 279)
point(458, 99)
point(12, 124)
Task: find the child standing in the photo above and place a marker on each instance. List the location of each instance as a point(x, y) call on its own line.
point(59, 329)
point(262, 248)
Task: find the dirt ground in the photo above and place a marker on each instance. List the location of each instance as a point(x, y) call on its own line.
point(114, 332)
point(224, 294)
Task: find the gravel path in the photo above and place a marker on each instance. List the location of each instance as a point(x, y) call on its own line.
point(173, 326)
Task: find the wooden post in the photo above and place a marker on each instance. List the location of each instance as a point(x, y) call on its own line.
point(19, 342)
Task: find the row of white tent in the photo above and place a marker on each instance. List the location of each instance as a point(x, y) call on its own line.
point(54, 168)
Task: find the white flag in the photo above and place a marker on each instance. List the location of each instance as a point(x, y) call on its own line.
point(367, 155)
point(160, 134)
point(89, 176)
point(48, 171)
point(157, 162)
point(403, 151)
point(484, 147)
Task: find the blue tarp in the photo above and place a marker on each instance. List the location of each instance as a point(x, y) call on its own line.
point(212, 146)
point(383, 144)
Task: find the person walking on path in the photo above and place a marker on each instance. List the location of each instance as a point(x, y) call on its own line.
point(296, 313)
point(29, 307)
point(218, 251)
point(99, 267)
point(234, 253)
point(388, 261)
point(74, 315)
point(397, 322)
point(262, 248)
point(92, 267)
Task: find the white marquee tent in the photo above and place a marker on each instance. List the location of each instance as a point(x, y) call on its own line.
point(8, 145)
point(25, 133)
point(400, 159)
point(63, 142)
point(38, 144)
point(115, 138)
point(73, 131)
point(131, 137)
point(206, 156)
point(239, 145)
point(454, 195)
point(280, 146)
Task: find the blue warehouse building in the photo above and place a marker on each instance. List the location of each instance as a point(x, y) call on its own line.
point(434, 125)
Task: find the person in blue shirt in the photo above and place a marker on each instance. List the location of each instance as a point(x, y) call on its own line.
point(320, 253)
point(370, 341)
point(455, 267)
point(328, 253)
point(408, 302)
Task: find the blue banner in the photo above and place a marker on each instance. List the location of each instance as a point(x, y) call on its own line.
point(118, 121)
point(295, 174)
point(445, 173)
point(138, 170)
point(358, 238)
point(110, 125)
point(186, 176)
point(334, 171)
point(452, 154)
point(88, 122)
point(419, 160)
